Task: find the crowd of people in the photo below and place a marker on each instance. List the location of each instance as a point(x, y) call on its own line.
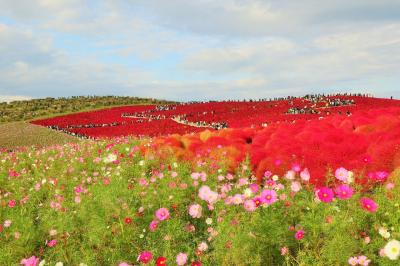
point(214, 125)
point(317, 100)
point(64, 130)
point(143, 116)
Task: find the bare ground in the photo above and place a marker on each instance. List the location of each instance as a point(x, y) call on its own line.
point(18, 134)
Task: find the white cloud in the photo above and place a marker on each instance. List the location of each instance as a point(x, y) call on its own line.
point(10, 98)
point(194, 49)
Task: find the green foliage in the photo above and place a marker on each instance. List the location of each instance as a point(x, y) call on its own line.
point(91, 229)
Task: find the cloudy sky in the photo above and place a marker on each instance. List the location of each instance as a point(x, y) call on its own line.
point(203, 49)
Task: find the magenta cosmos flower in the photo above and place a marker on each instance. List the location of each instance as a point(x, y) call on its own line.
point(162, 214)
point(325, 194)
point(269, 196)
point(145, 257)
point(299, 234)
point(368, 204)
point(344, 192)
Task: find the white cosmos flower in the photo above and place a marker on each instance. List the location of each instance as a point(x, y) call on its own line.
point(384, 232)
point(392, 249)
point(248, 193)
point(110, 158)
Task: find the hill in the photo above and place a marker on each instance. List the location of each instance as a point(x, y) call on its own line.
point(36, 108)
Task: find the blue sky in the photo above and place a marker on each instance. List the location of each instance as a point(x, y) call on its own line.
point(204, 49)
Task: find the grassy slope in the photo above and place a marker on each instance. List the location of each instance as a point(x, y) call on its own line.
point(17, 134)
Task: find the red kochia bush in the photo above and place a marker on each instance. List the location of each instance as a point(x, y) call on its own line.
point(364, 142)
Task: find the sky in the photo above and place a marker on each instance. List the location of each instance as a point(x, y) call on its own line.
point(198, 50)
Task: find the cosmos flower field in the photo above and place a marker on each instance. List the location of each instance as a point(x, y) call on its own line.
point(305, 189)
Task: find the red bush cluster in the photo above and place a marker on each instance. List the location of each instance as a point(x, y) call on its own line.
point(151, 120)
point(367, 142)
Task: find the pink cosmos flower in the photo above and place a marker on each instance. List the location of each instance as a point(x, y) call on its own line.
point(353, 261)
point(237, 199)
point(145, 257)
point(344, 192)
point(325, 194)
point(269, 196)
point(254, 188)
point(242, 182)
point(342, 174)
point(78, 189)
point(195, 210)
point(153, 225)
point(124, 264)
point(368, 204)
point(290, 174)
point(195, 175)
point(162, 214)
point(77, 199)
point(284, 251)
point(7, 223)
point(203, 176)
point(205, 193)
point(202, 246)
point(282, 196)
point(32, 261)
point(296, 167)
point(270, 183)
point(389, 186)
point(295, 186)
point(363, 260)
point(143, 182)
point(249, 205)
point(229, 176)
point(12, 203)
point(13, 173)
point(299, 234)
point(305, 175)
point(267, 174)
point(106, 181)
point(379, 176)
point(52, 243)
point(181, 259)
